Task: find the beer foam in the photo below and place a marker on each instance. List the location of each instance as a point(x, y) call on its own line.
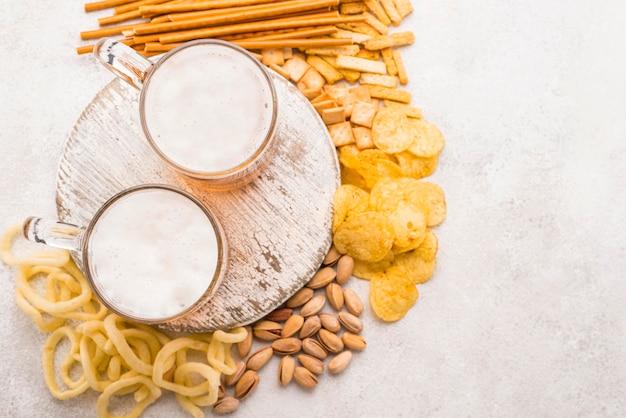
point(153, 253)
point(208, 108)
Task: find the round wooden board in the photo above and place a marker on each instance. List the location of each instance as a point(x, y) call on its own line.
point(278, 227)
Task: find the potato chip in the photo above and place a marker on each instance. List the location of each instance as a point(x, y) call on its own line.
point(427, 250)
point(348, 199)
point(348, 156)
point(409, 226)
point(366, 236)
point(387, 193)
point(412, 266)
point(392, 295)
point(367, 269)
point(374, 164)
point(416, 167)
point(390, 130)
point(350, 176)
point(427, 141)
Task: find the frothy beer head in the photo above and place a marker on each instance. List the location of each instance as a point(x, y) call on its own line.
point(209, 108)
point(153, 254)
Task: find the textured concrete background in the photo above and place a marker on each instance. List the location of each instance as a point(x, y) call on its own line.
point(526, 314)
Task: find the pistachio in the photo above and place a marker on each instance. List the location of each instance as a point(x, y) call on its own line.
point(314, 348)
point(330, 322)
point(322, 277)
point(353, 341)
point(286, 368)
point(332, 257)
point(304, 377)
point(267, 330)
point(299, 298)
point(345, 266)
point(331, 342)
point(353, 302)
point(292, 326)
point(246, 385)
point(226, 405)
point(287, 345)
point(279, 315)
point(340, 362)
point(314, 306)
point(334, 293)
point(350, 322)
point(221, 391)
point(259, 358)
point(231, 379)
point(313, 364)
point(310, 327)
point(243, 347)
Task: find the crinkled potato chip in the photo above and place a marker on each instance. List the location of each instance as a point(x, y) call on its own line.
point(367, 269)
point(374, 164)
point(416, 265)
point(392, 295)
point(416, 167)
point(409, 226)
point(366, 236)
point(390, 130)
point(385, 195)
point(351, 176)
point(348, 156)
point(348, 199)
point(427, 250)
point(427, 140)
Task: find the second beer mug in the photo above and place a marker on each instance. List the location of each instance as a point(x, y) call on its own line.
point(208, 108)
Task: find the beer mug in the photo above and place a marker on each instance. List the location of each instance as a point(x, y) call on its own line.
point(208, 108)
point(151, 253)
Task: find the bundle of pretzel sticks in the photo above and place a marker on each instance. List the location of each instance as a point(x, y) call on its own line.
point(155, 26)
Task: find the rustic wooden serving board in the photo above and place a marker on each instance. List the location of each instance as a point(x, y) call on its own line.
point(278, 227)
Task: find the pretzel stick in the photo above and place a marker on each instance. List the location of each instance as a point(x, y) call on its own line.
point(159, 47)
point(87, 49)
point(201, 5)
point(293, 43)
point(99, 33)
point(105, 4)
point(266, 11)
point(109, 20)
point(252, 27)
point(294, 34)
point(177, 17)
point(135, 5)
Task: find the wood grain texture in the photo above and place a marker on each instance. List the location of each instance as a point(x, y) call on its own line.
point(278, 227)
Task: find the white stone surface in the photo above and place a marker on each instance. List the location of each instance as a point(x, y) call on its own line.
point(525, 315)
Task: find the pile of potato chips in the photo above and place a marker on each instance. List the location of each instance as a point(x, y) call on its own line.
point(384, 210)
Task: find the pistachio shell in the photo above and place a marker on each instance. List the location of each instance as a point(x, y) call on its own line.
point(353, 302)
point(314, 348)
point(340, 362)
point(334, 294)
point(292, 326)
point(313, 364)
point(345, 266)
point(322, 277)
point(246, 385)
point(304, 377)
point(332, 257)
point(353, 341)
point(286, 368)
point(331, 342)
point(310, 327)
point(259, 358)
point(226, 405)
point(231, 379)
point(314, 306)
point(299, 298)
point(243, 347)
point(287, 345)
point(350, 322)
point(279, 315)
point(330, 322)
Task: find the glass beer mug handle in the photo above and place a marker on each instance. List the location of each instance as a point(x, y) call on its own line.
point(53, 233)
point(122, 61)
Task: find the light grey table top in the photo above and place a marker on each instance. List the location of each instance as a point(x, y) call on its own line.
point(525, 315)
